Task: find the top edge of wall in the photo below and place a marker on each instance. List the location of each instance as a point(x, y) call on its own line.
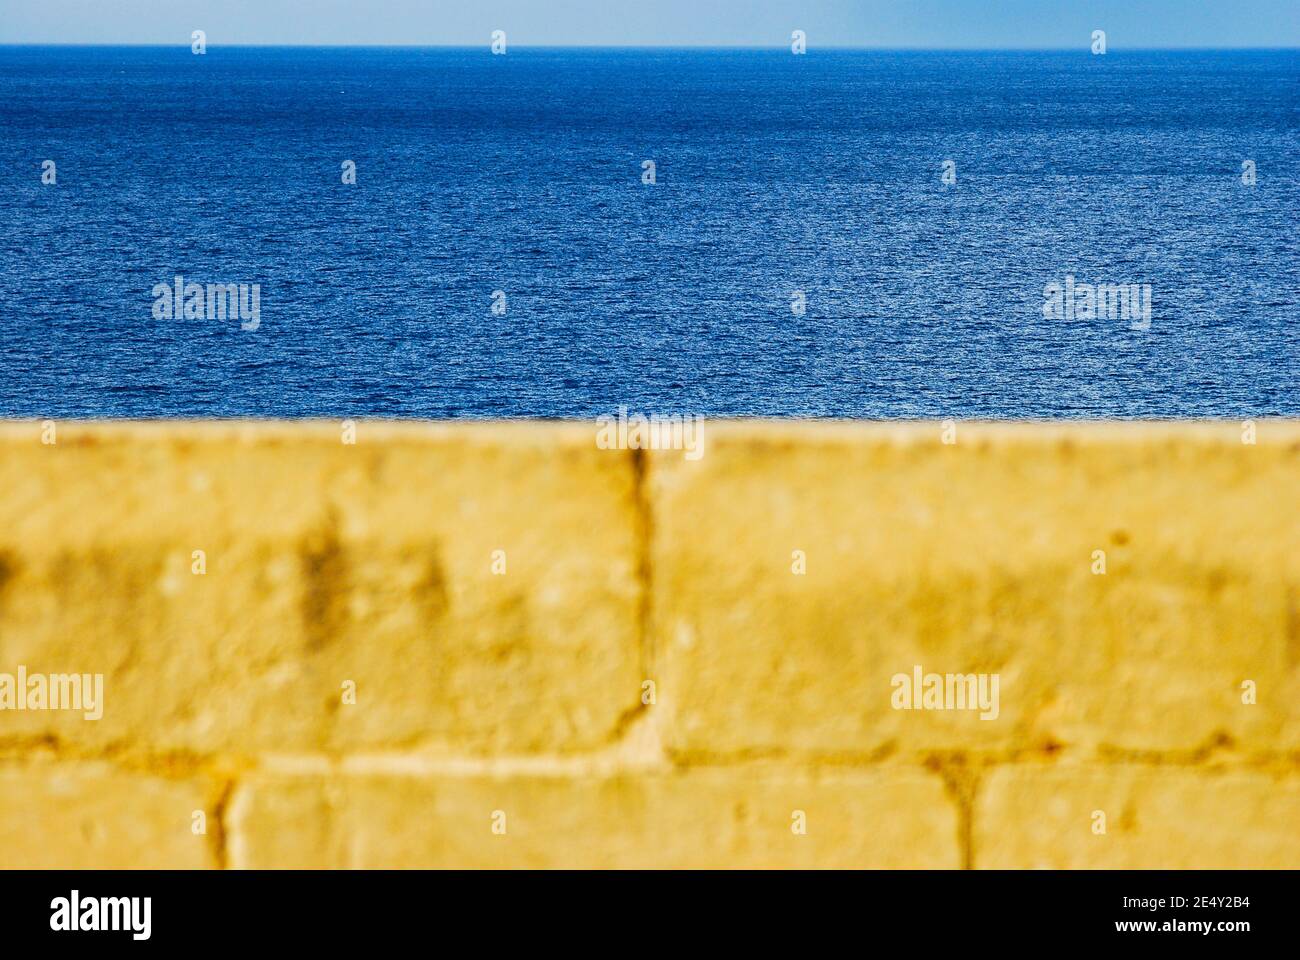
point(1266, 431)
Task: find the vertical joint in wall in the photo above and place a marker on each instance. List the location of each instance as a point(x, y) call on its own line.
point(217, 835)
point(961, 782)
point(644, 534)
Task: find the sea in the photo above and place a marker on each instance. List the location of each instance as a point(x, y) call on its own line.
point(555, 233)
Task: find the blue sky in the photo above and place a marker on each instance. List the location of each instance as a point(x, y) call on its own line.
point(996, 24)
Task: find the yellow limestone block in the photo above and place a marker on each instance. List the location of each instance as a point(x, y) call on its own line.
point(254, 587)
point(89, 816)
point(698, 818)
point(799, 568)
point(1137, 817)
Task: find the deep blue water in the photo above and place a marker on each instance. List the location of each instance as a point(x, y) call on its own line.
point(522, 173)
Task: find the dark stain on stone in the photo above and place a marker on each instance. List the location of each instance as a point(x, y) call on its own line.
point(1127, 821)
point(1119, 537)
point(431, 590)
point(8, 570)
point(1215, 581)
point(1222, 740)
point(325, 583)
point(1292, 626)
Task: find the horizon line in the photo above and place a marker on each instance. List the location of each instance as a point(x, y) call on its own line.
point(635, 46)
